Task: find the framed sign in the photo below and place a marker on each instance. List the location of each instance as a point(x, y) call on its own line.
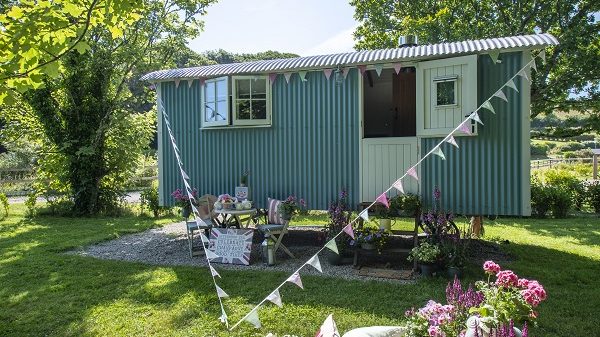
point(232, 246)
point(242, 193)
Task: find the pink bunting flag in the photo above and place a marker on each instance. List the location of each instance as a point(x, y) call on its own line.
point(177, 83)
point(398, 185)
point(413, 173)
point(465, 127)
point(202, 81)
point(327, 73)
point(348, 230)
point(272, 78)
point(275, 297)
point(397, 67)
point(345, 72)
point(295, 279)
point(287, 77)
point(452, 141)
point(328, 329)
point(362, 69)
point(382, 198)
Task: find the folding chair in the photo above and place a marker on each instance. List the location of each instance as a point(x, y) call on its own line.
point(276, 227)
point(205, 205)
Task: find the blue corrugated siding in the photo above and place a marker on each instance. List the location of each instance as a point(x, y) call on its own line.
point(311, 150)
point(484, 176)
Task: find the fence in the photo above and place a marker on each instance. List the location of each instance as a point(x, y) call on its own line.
point(543, 163)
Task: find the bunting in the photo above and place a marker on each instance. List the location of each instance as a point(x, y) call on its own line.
point(523, 74)
point(533, 65)
point(494, 56)
point(314, 261)
point(542, 55)
point(345, 72)
point(475, 116)
point(221, 292)
point(275, 298)
point(177, 83)
point(214, 272)
point(500, 94)
point(223, 317)
point(211, 255)
point(465, 127)
point(272, 78)
point(190, 82)
point(438, 152)
point(327, 73)
point(302, 75)
point(185, 176)
point(332, 246)
point(398, 185)
point(382, 198)
point(362, 69)
point(378, 69)
point(202, 236)
point(397, 67)
point(364, 214)
point(295, 279)
point(348, 230)
point(452, 141)
point(329, 328)
point(489, 106)
point(287, 77)
point(511, 84)
point(202, 81)
point(253, 319)
point(413, 173)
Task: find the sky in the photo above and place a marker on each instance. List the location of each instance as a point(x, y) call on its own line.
point(303, 27)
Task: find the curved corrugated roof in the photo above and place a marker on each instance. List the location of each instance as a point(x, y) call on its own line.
point(431, 51)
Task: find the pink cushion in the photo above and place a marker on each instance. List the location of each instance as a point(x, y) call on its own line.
point(274, 215)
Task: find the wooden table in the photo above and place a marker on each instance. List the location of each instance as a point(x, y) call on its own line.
point(233, 217)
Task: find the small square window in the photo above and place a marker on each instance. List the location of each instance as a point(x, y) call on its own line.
point(445, 91)
point(251, 97)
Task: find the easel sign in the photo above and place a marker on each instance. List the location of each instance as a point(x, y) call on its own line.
point(233, 246)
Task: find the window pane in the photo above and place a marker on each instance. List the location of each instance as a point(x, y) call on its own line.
point(210, 112)
point(259, 89)
point(259, 109)
point(209, 92)
point(445, 93)
point(221, 90)
point(221, 110)
point(242, 89)
point(243, 109)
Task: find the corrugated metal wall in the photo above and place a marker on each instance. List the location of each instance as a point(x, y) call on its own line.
point(311, 150)
point(484, 176)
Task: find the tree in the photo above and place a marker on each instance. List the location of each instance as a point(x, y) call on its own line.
point(570, 80)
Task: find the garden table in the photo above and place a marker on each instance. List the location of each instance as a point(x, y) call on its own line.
point(235, 217)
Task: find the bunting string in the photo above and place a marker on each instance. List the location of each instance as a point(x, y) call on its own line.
point(252, 315)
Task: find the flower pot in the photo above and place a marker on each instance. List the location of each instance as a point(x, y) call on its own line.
point(333, 258)
point(454, 272)
point(385, 224)
point(186, 212)
point(427, 270)
point(367, 246)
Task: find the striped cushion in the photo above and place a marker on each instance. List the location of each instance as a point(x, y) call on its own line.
point(274, 216)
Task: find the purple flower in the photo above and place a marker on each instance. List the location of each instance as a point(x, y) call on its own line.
point(436, 194)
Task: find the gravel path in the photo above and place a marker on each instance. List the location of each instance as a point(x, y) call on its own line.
point(168, 246)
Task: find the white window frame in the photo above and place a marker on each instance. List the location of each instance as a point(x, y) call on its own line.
point(250, 122)
point(445, 79)
point(206, 124)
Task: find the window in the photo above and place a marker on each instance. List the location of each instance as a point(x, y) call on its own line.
point(216, 102)
point(446, 91)
point(251, 100)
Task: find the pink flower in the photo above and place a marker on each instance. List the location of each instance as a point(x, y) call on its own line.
point(523, 283)
point(491, 267)
point(435, 331)
point(507, 278)
point(530, 297)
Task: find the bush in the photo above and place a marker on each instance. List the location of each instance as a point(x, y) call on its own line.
point(583, 153)
point(565, 180)
point(30, 203)
point(541, 198)
point(561, 201)
point(539, 149)
point(4, 205)
point(570, 146)
point(149, 201)
point(594, 196)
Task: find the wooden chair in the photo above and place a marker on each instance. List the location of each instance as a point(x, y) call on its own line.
point(205, 213)
point(276, 231)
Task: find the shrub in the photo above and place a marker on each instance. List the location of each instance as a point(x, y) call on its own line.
point(561, 201)
point(541, 198)
point(539, 149)
point(149, 201)
point(4, 205)
point(594, 196)
point(571, 146)
point(564, 180)
point(30, 203)
point(411, 204)
point(583, 153)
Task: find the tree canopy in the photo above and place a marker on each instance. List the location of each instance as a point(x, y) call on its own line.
point(570, 80)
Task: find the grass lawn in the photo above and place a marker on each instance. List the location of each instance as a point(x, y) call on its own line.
point(44, 292)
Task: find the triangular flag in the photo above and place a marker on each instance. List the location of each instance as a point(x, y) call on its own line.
point(542, 55)
point(214, 272)
point(500, 94)
point(287, 77)
point(382, 198)
point(223, 317)
point(378, 69)
point(186, 184)
point(202, 81)
point(494, 56)
point(327, 73)
point(190, 82)
point(523, 74)
point(452, 141)
point(364, 214)
point(345, 72)
point(221, 293)
point(314, 261)
point(465, 127)
point(397, 67)
point(398, 185)
point(511, 84)
point(252, 318)
point(302, 75)
point(533, 65)
point(332, 246)
point(488, 106)
point(194, 209)
point(272, 78)
point(185, 176)
point(275, 298)
point(328, 329)
point(295, 279)
point(438, 152)
point(211, 255)
point(475, 116)
point(177, 83)
point(202, 236)
point(362, 69)
point(413, 173)
point(348, 230)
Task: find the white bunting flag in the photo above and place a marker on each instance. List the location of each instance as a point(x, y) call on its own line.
point(177, 83)
point(398, 185)
point(488, 106)
point(223, 317)
point(397, 67)
point(475, 116)
point(364, 214)
point(542, 55)
point(328, 329)
point(438, 152)
point(314, 261)
point(190, 194)
point(287, 77)
point(302, 75)
point(190, 82)
point(275, 298)
point(511, 84)
point(214, 272)
point(348, 230)
point(533, 65)
point(332, 246)
point(187, 185)
point(413, 173)
point(378, 69)
point(252, 318)
point(452, 141)
point(211, 255)
point(295, 279)
point(327, 73)
point(465, 127)
point(220, 292)
point(185, 176)
point(523, 74)
point(500, 94)
point(194, 209)
point(345, 72)
point(202, 236)
point(494, 56)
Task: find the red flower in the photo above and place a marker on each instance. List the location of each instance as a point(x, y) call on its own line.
point(507, 278)
point(491, 267)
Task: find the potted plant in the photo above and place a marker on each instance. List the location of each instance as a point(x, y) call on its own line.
point(455, 253)
point(339, 216)
point(385, 216)
point(288, 208)
point(370, 238)
point(427, 255)
point(411, 204)
point(396, 205)
point(182, 200)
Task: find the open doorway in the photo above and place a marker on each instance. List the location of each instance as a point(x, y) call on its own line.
point(390, 103)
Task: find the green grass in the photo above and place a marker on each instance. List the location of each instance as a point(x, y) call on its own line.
point(45, 292)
